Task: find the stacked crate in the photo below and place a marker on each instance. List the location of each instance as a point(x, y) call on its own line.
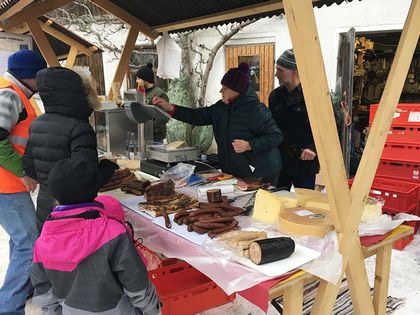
point(399, 168)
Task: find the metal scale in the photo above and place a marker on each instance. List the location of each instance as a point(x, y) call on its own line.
point(155, 157)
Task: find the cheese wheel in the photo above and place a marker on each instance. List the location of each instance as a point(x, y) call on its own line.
point(305, 221)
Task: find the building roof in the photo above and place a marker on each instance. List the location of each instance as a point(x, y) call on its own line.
point(155, 16)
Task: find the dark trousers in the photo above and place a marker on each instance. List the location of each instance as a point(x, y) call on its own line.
point(299, 181)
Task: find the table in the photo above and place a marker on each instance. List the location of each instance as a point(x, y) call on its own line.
point(290, 288)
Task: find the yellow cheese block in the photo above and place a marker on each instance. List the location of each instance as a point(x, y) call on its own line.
point(175, 145)
point(268, 206)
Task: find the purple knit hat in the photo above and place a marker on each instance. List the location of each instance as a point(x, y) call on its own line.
point(237, 79)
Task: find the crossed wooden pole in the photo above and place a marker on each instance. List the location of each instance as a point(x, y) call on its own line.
point(347, 205)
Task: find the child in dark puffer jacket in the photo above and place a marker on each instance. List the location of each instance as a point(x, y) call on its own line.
point(84, 259)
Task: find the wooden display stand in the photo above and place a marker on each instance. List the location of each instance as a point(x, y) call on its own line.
point(292, 288)
point(346, 206)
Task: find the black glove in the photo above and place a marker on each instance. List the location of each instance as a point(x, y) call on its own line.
point(106, 170)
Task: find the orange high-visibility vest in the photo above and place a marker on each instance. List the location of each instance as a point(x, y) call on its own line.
point(9, 182)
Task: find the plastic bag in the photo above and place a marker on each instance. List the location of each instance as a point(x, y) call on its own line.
point(179, 174)
point(169, 55)
point(151, 259)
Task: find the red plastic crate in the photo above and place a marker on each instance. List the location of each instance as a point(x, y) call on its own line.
point(183, 290)
point(407, 135)
point(399, 196)
point(406, 115)
point(401, 152)
point(403, 171)
point(403, 243)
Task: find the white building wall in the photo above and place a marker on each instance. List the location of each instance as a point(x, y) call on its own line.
point(364, 16)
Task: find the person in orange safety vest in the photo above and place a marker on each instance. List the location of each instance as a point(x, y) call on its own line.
point(17, 212)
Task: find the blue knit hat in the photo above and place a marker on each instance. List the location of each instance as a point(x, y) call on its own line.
point(24, 64)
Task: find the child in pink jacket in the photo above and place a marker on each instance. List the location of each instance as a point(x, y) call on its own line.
point(84, 259)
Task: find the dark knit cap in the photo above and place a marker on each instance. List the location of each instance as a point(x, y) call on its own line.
point(287, 60)
point(77, 180)
point(24, 64)
point(237, 79)
point(146, 73)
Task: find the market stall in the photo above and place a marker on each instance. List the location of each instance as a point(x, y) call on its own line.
point(346, 205)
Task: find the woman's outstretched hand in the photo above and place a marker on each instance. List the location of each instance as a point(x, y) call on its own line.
point(162, 103)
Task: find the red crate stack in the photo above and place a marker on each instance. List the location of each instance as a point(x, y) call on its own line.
point(182, 289)
point(399, 166)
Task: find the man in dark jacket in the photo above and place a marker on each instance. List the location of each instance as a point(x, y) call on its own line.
point(62, 132)
point(286, 103)
point(245, 132)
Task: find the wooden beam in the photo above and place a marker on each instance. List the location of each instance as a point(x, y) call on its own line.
point(42, 42)
point(71, 57)
point(307, 49)
point(112, 8)
point(293, 299)
point(382, 270)
point(32, 11)
point(47, 28)
point(266, 6)
point(386, 109)
point(15, 9)
point(127, 51)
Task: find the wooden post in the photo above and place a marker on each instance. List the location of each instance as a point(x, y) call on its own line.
point(382, 269)
point(307, 49)
point(42, 42)
point(130, 43)
point(302, 28)
point(71, 57)
point(293, 299)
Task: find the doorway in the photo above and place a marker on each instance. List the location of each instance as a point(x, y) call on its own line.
point(260, 58)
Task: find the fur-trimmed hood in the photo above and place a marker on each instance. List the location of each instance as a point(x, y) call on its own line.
point(67, 92)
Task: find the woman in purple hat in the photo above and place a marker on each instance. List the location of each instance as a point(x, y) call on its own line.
point(246, 135)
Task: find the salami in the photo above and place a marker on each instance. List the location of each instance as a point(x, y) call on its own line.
point(271, 249)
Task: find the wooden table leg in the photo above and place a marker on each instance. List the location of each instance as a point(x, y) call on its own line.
point(293, 299)
point(382, 270)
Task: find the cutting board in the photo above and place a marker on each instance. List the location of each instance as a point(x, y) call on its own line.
point(181, 230)
point(133, 204)
point(301, 256)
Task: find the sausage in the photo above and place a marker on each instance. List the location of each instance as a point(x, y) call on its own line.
point(216, 220)
point(198, 217)
point(204, 211)
point(214, 195)
point(168, 223)
point(180, 214)
point(199, 230)
point(231, 208)
point(190, 227)
point(209, 225)
point(227, 228)
point(232, 213)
